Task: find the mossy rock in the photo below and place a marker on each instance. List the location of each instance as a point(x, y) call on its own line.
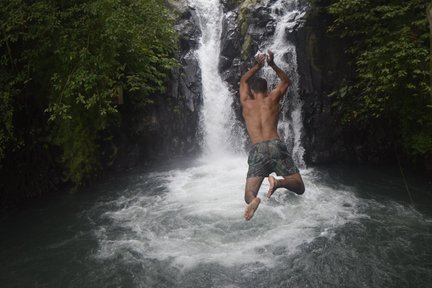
point(246, 7)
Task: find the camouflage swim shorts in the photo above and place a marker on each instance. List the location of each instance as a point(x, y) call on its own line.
point(270, 156)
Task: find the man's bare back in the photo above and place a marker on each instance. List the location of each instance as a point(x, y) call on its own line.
point(261, 111)
point(260, 108)
point(261, 116)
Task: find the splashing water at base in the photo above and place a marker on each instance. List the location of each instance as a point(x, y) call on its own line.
point(199, 218)
point(189, 223)
point(185, 227)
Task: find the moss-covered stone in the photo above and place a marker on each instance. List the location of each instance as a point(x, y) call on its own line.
point(246, 47)
point(176, 7)
point(245, 10)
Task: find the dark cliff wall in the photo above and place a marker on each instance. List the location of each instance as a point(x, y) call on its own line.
point(321, 66)
point(321, 69)
point(246, 25)
point(169, 126)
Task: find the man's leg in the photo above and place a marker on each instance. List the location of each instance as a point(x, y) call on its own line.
point(292, 182)
point(251, 190)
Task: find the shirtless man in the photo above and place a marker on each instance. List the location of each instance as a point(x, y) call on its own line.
point(268, 154)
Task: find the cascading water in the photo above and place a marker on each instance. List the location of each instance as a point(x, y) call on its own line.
point(216, 114)
point(285, 14)
point(217, 117)
point(198, 219)
point(184, 227)
point(187, 225)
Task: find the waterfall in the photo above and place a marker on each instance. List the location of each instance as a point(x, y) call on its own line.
point(191, 218)
point(216, 115)
point(185, 227)
point(290, 127)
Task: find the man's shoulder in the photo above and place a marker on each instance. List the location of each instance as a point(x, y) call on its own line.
point(275, 94)
point(247, 99)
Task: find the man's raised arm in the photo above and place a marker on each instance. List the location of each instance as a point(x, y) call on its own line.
point(244, 86)
point(282, 87)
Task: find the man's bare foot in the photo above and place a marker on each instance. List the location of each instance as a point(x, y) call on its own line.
point(273, 186)
point(251, 208)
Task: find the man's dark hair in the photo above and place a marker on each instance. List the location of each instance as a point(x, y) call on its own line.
point(259, 85)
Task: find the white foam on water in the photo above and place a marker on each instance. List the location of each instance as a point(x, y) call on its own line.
point(197, 215)
point(200, 219)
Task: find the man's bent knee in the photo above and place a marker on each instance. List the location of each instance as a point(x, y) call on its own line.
point(295, 184)
point(249, 197)
point(300, 190)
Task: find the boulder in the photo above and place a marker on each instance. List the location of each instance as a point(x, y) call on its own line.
point(230, 44)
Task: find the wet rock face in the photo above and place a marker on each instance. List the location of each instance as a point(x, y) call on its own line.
point(170, 126)
point(322, 68)
point(189, 32)
point(180, 107)
point(230, 46)
point(245, 29)
point(229, 62)
point(319, 66)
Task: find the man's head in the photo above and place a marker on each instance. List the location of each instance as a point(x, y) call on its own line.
point(259, 85)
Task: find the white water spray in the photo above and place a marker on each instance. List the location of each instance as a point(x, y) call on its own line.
point(286, 14)
point(194, 216)
point(216, 114)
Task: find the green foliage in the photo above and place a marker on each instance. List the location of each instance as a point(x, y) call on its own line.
point(64, 63)
point(389, 45)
